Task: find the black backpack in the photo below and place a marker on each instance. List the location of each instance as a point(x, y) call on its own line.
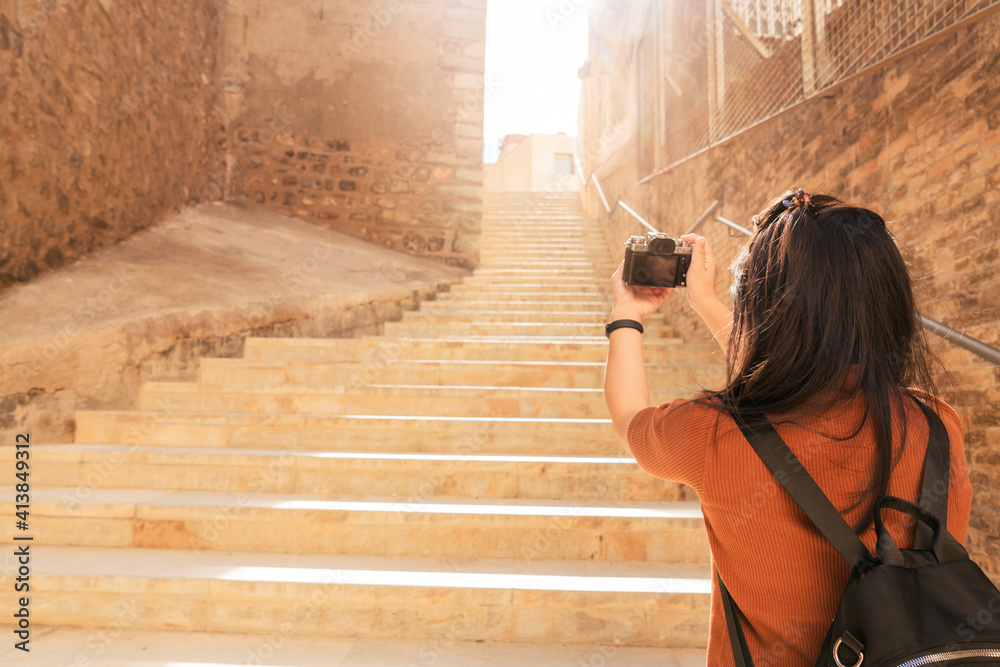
point(929, 605)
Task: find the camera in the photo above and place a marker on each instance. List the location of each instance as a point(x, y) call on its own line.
point(656, 260)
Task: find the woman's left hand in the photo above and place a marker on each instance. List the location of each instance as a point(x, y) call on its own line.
point(634, 302)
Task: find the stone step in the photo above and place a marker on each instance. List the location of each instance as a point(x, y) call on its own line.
point(532, 212)
point(542, 262)
point(535, 211)
point(591, 250)
point(517, 222)
point(278, 596)
point(516, 288)
point(434, 329)
point(536, 348)
point(584, 293)
point(508, 311)
point(547, 270)
point(541, 272)
point(560, 253)
point(549, 265)
point(381, 399)
point(548, 260)
point(541, 243)
point(543, 259)
point(549, 303)
point(134, 648)
point(420, 321)
point(550, 236)
point(529, 242)
point(529, 211)
point(467, 528)
point(348, 433)
point(599, 278)
point(428, 371)
point(391, 474)
point(460, 314)
point(568, 225)
point(495, 283)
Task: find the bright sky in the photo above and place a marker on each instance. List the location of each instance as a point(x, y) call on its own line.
point(533, 50)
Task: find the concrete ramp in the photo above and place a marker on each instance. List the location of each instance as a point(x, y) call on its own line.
point(196, 285)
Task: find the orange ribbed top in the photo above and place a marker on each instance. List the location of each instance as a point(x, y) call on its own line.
point(785, 577)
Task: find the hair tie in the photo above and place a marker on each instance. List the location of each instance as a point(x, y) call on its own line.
point(801, 198)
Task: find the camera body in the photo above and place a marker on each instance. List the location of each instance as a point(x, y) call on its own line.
point(656, 260)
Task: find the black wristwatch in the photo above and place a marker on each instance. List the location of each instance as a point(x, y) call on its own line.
point(621, 324)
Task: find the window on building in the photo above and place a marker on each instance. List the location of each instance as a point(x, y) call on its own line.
point(564, 164)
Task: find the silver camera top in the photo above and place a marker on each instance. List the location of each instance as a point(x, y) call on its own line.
point(658, 243)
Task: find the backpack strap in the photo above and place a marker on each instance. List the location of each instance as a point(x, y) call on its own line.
point(934, 486)
point(790, 473)
point(741, 651)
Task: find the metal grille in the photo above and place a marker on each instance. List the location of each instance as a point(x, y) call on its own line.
point(763, 56)
point(852, 35)
point(757, 73)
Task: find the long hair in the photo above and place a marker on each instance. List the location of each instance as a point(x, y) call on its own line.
point(823, 302)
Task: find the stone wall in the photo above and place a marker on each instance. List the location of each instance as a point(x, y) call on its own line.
point(917, 139)
point(364, 116)
point(111, 119)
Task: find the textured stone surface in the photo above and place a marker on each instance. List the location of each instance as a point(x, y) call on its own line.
point(196, 285)
point(111, 119)
point(133, 646)
point(917, 140)
point(357, 115)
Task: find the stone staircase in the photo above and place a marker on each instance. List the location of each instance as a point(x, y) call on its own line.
point(454, 480)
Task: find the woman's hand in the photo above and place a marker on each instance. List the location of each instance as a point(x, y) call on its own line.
point(701, 290)
point(634, 302)
point(701, 275)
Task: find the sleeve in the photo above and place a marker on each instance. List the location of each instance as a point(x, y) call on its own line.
point(671, 441)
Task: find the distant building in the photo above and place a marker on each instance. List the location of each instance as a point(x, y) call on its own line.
point(535, 163)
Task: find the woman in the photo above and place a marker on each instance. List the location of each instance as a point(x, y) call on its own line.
point(824, 340)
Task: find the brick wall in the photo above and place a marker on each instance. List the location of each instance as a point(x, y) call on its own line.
point(917, 139)
point(111, 118)
point(364, 116)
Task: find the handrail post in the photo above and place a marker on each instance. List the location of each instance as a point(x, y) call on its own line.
point(703, 217)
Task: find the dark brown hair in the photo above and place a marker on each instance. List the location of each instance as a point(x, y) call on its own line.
point(823, 302)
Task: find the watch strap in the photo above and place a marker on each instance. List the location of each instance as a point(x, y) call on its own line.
point(621, 324)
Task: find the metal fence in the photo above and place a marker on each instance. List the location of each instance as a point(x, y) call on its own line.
point(710, 70)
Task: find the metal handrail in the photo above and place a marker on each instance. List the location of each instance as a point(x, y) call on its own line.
point(600, 191)
point(953, 336)
point(965, 342)
point(579, 169)
point(638, 217)
point(969, 343)
point(618, 204)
